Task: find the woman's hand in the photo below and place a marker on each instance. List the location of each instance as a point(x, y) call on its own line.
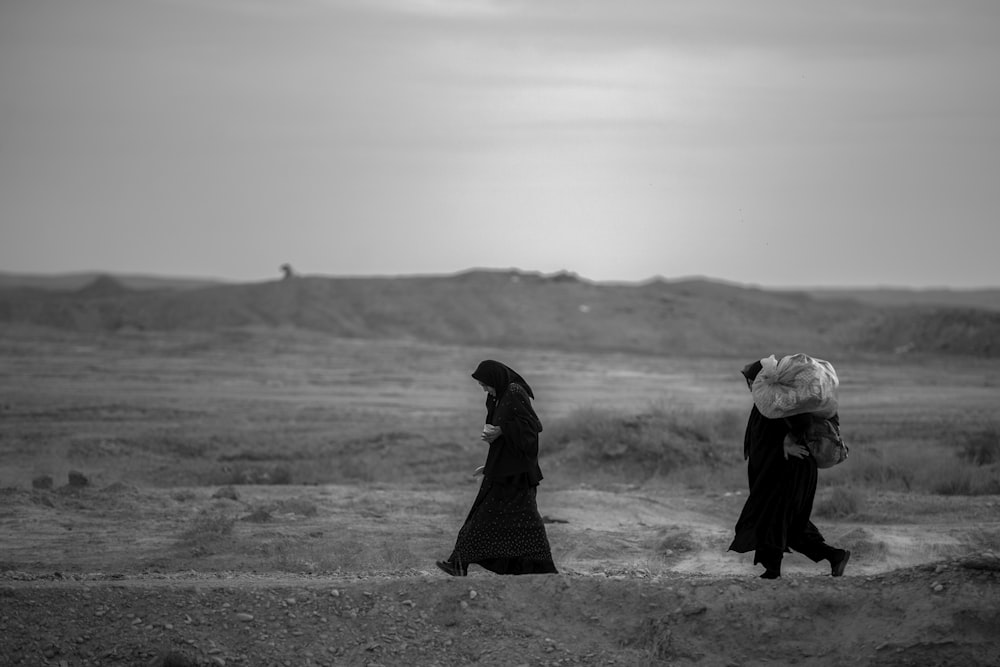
point(794, 449)
point(490, 433)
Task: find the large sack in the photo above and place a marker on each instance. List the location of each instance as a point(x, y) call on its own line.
point(795, 385)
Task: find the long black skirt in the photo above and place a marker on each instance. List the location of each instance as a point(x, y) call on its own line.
point(504, 532)
point(775, 518)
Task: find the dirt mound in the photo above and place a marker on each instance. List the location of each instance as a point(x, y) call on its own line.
point(935, 331)
point(103, 287)
point(943, 613)
point(980, 299)
point(497, 308)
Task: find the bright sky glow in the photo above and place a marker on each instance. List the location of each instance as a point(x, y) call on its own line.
point(777, 143)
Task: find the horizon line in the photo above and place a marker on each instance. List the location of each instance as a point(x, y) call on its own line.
point(512, 270)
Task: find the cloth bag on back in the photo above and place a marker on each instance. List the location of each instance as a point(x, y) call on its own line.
point(795, 385)
point(822, 438)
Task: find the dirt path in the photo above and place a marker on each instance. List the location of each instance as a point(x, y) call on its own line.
point(343, 575)
point(941, 614)
point(376, 528)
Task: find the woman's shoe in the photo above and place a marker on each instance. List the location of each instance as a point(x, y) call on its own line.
point(837, 566)
point(451, 568)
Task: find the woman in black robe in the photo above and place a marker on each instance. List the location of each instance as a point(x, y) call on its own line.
point(504, 532)
point(775, 518)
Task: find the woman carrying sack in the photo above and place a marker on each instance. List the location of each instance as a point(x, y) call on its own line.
point(782, 476)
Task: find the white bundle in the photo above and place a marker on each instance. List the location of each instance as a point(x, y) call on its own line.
point(795, 385)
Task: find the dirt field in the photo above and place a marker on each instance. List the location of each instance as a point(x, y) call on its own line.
point(260, 500)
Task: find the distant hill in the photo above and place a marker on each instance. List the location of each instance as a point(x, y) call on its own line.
point(501, 308)
point(988, 299)
point(70, 281)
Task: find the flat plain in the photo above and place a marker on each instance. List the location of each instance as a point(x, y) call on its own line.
point(278, 497)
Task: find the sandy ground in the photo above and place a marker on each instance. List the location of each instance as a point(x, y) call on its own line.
point(155, 561)
point(344, 575)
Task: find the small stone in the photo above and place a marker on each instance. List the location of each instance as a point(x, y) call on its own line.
point(473, 595)
point(244, 617)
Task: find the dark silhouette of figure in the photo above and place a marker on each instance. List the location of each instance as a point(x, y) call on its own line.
point(504, 532)
point(782, 476)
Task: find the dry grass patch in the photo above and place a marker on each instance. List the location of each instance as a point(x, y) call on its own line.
point(650, 444)
point(839, 503)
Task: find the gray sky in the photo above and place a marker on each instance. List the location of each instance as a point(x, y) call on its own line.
point(787, 143)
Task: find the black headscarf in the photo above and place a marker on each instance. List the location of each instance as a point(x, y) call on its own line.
point(500, 377)
point(750, 372)
point(515, 453)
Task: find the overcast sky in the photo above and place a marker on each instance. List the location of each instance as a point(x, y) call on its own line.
point(787, 143)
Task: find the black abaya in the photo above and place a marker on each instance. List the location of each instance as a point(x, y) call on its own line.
point(776, 516)
point(504, 532)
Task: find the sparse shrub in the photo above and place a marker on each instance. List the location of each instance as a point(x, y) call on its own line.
point(872, 467)
point(987, 540)
point(170, 445)
point(981, 446)
point(959, 483)
point(957, 480)
point(358, 469)
point(242, 475)
point(208, 526)
point(301, 506)
point(649, 444)
point(701, 477)
point(673, 541)
point(656, 637)
point(840, 503)
point(259, 515)
point(864, 545)
point(281, 475)
point(225, 492)
point(258, 456)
